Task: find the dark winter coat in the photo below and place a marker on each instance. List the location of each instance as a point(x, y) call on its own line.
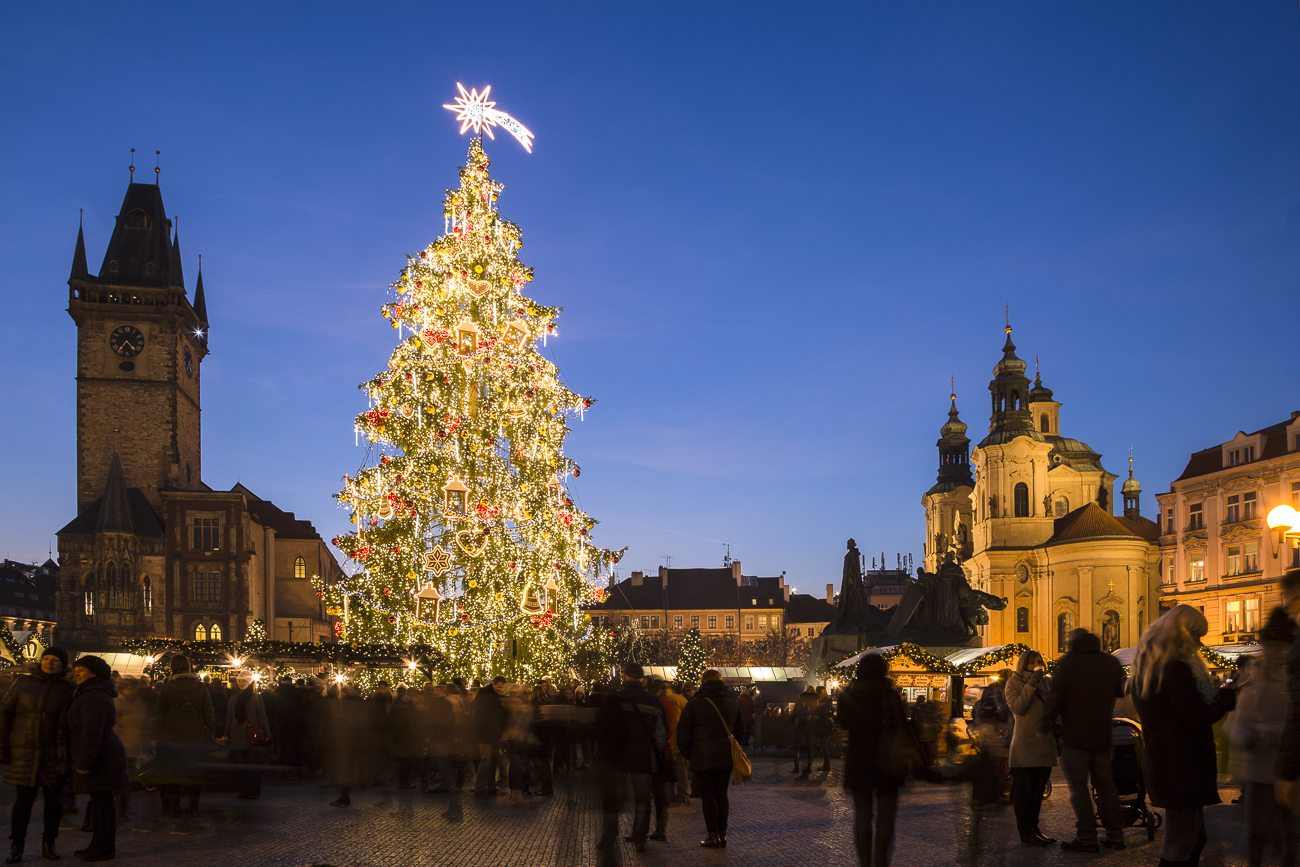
point(33, 716)
point(93, 746)
point(631, 731)
point(1179, 765)
point(184, 714)
point(702, 731)
point(342, 739)
point(254, 715)
point(1288, 752)
point(490, 715)
point(408, 739)
point(863, 707)
point(1085, 684)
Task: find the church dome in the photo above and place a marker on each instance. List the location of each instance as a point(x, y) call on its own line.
point(1009, 363)
point(954, 425)
point(1131, 486)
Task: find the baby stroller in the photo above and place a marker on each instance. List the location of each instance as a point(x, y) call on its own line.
point(1126, 768)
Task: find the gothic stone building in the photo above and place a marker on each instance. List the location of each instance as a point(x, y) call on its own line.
point(1027, 513)
point(153, 550)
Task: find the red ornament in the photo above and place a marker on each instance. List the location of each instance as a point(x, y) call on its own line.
point(388, 592)
point(391, 620)
point(576, 472)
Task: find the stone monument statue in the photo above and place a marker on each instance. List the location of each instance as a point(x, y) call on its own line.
point(853, 608)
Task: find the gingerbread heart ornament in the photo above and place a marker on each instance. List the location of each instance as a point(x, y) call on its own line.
point(471, 543)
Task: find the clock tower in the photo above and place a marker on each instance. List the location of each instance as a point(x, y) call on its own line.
point(140, 344)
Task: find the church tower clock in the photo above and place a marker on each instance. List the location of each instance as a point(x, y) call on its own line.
point(140, 345)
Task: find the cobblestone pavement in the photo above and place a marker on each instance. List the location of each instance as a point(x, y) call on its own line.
point(776, 820)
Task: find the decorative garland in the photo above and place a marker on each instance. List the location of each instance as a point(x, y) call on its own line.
point(203, 651)
point(934, 664)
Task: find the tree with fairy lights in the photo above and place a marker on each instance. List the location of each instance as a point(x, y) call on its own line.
point(691, 662)
point(466, 537)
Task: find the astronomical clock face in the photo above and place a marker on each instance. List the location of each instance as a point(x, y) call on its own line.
point(126, 341)
point(189, 361)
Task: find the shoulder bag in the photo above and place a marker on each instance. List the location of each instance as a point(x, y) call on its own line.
point(740, 766)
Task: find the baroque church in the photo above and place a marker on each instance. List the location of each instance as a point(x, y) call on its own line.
point(1028, 513)
point(153, 551)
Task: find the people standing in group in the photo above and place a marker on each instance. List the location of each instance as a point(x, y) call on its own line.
point(185, 734)
point(632, 734)
point(248, 733)
point(1256, 734)
point(584, 730)
point(490, 719)
point(870, 709)
point(544, 717)
point(1179, 702)
point(95, 753)
point(704, 733)
point(1085, 685)
point(1033, 755)
point(33, 715)
point(805, 705)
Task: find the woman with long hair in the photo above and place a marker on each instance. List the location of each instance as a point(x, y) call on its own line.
point(1179, 702)
point(1032, 754)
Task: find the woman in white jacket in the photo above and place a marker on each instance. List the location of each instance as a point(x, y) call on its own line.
point(1032, 755)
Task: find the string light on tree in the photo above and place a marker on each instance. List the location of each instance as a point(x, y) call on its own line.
point(691, 662)
point(462, 496)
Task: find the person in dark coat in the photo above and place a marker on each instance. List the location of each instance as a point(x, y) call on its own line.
point(865, 708)
point(185, 732)
point(95, 753)
point(490, 718)
point(343, 730)
point(702, 737)
point(407, 737)
point(33, 714)
point(632, 736)
point(1179, 702)
point(245, 718)
point(1287, 764)
point(1085, 684)
point(285, 709)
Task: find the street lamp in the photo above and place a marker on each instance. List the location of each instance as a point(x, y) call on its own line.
point(1284, 521)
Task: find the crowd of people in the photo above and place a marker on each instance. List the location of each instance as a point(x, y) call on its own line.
point(672, 748)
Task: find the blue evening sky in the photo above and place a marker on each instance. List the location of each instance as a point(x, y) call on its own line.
point(777, 230)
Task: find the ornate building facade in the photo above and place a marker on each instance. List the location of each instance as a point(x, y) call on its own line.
point(1216, 551)
point(1028, 514)
point(153, 550)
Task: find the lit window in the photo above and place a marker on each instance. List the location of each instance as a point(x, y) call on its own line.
point(299, 568)
point(1197, 572)
point(1248, 503)
point(695, 621)
point(762, 621)
point(713, 621)
point(1234, 560)
point(147, 586)
point(749, 623)
point(1233, 513)
point(645, 621)
point(89, 597)
point(1064, 626)
point(625, 620)
point(1252, 616)
point(731, 621)
point(215, 632)
point(1250, 557)
point(677, 622)
point(207, 534)
point(200, 632)
point(654, 622)
point(1232, 616)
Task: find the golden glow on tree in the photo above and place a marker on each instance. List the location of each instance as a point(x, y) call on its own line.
point(466, 538)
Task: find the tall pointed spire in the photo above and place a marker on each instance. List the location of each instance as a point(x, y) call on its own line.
point(79, 269)
point(200, 303)
point(1010, 392)
point(1132, 492)
point(954, 451)
point(115, 507)
point(177, 273)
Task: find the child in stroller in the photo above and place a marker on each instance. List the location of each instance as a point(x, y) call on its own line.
point(1126, 768)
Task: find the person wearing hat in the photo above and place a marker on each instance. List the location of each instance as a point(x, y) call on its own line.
point(32, 715)
point(96, 754)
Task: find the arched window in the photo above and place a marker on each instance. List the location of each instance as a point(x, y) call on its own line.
point(200, 632)
point(137, 219)
point(89, 597)
point(299, 567)
point(1015, 400)
point(147, 585)
point(1110, 632)
point(1022, 500)
point(1061, 507)
point(148, 267)
point(1022, 620)
point(1064, 626)
point(110, 586)
point(1043, 424)
point(214, 632)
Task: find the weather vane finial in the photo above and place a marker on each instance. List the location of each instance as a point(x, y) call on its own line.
point(952, 388)
point(474, 109)
point(1130, 462)
point(1007, 312)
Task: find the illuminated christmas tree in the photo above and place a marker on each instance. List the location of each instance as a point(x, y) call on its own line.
point(466, 537)
point(692, 662)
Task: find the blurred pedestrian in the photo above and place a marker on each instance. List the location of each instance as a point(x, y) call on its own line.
point(344, 727)
point(745, 702)
point(704, 735)
point(248, 732)
point(185, 734)
point(584, 730)
point(379, 739)
point(927, 725)
point(1179, 702)
point(869, 709)
point(1032, 754)
point(1085, 684)
point(285, 711)
point(632, 739)
point(95, 753)
point(133, 713)
point(490, 718)
point(1256, 733)
point(805, 705)
point(408, 741)
point(823, 726)
point(33, 714)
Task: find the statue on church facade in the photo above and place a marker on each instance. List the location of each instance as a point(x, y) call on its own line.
point(1110, 632)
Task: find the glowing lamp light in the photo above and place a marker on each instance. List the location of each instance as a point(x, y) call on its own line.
point(338, 678)
point(236, 661)
point(412, 665)
point(1283, 518)
point(256, 677)
point(198, 332)
point(148, 660)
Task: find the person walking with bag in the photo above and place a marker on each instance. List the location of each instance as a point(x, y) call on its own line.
point(709, 726)
point(35, 758)
point(876, 763)
point(185, 732)
point(1179, 702)
point(1032, 754)
point(95, 753)
point(248, 731)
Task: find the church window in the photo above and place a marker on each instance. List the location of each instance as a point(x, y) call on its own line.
point(1022, 500)
point(214, 633)
point(1232, 616)
point(200, 632)
point(147, 588)
point(137, 219)
point(1251, 623)
point(110, 586)
point(207, 534)
point(89, 595)
point(1064, 626)
point(1022, 573)
point(1248, 502)
point(148, 267)
point(1061, 507)
point(1197, 570)
point(112, 266)
point(1022, 620)
point(299, 567)
point(1196, 516)
point(1015, 400)
point(207, 587)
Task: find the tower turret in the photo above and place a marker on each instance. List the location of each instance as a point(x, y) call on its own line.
point(1132, 492)
point(1009, 389)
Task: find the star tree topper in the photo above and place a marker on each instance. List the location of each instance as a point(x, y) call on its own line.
point(474, 109)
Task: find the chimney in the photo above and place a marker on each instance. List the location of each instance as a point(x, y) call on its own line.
point(735, 571)
point(663, 576)
point(638, 578)
point(786, 588)
point(830, 593)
